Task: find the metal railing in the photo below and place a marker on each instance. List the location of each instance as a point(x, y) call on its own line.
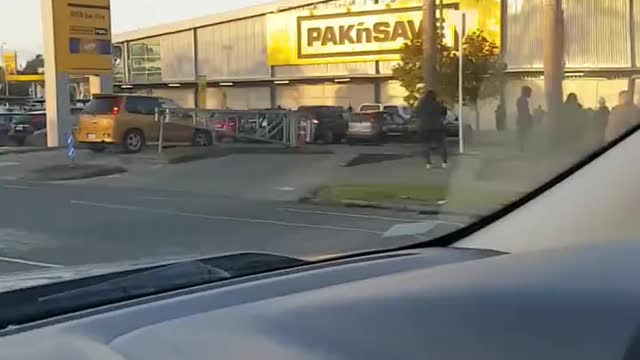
point(289, 128)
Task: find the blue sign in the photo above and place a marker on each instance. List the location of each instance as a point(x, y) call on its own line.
point(71, 150)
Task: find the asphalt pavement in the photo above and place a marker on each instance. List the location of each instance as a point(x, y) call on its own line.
point(48, 225)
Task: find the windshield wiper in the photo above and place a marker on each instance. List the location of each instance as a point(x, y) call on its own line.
point(24, 306)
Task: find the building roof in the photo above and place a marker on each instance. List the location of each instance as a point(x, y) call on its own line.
point(202, 21)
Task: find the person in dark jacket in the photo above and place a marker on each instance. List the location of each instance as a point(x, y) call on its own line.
point(433, 131)
point(524, 119)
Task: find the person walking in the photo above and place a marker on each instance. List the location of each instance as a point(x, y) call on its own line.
point(432, 129)
point(623, 117)
point(525, 119)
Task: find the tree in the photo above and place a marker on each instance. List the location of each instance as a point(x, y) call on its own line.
point(483, 71)
point(410, 71)
point(33, 66)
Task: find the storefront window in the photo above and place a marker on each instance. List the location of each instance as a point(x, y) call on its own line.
point(118, 64)
point(145, 62)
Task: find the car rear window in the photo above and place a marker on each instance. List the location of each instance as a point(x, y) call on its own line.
point(392, 108)
point(357, 118)
point(369, 108)
point(101, 106)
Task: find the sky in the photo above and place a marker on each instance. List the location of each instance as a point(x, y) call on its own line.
point(21, 30)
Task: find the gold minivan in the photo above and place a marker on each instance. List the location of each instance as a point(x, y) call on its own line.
point(129, 121)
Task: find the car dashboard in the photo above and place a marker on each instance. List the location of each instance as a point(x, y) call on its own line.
point(434, 303)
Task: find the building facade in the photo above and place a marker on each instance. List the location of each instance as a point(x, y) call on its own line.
point(341, 52)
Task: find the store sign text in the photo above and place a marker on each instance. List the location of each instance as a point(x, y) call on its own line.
point(353, 34)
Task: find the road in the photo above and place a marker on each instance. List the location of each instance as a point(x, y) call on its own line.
point(48, 225)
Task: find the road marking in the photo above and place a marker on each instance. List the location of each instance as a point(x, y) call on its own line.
point(218, 217)
point(157, 198)
point(8, 178)
point(8, 163)
point(286, 188)
point(17, 187)
point(328, 213)
point(28, 262)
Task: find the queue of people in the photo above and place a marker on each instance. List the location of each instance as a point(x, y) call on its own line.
point(576, 125)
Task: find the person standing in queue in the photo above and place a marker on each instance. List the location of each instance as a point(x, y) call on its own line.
point(525, 119)
point(601, 119)
point(623, 117)
point(433, 131)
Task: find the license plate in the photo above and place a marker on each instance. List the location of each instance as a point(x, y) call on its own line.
point(21, 127)
point(91, 136)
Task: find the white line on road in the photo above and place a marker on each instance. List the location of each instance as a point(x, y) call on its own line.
point(364, 216)
point(9, 163)
point(18, 187)
point(28, 262)
point(217, 217)
point(157, 198)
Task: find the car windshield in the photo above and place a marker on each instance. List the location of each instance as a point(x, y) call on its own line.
point(218, 127)
point(392, 108)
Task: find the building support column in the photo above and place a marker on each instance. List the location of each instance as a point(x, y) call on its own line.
point(429, 43)
point(100, 84)
point(632, 46)
point(273, 92)
point(553, 44)
point(377, 86)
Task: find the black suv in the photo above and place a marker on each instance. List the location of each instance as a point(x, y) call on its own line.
point(331, 122)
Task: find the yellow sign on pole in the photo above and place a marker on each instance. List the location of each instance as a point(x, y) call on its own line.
point(202, 91)
point(82, 30)
point(10, 63)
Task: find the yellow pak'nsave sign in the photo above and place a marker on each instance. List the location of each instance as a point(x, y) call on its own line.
point(364, 33)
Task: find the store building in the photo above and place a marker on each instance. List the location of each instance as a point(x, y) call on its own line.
point(304, 52)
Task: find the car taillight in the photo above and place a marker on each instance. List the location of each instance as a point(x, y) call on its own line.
point(116, 106)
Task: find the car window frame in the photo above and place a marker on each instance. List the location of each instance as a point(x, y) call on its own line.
point(135, 110)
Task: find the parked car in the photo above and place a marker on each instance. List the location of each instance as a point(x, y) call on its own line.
point(400, 109)
point(25, 125)
point(377, 126)
point(331, 122)
point(129, 121)
point(452, 123)
point(5, 127)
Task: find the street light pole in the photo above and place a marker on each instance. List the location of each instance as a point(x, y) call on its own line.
point(429, 44)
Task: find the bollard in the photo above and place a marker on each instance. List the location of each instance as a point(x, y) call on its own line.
point(161, 134)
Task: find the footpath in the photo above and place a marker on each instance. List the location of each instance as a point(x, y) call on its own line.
point(490, 174)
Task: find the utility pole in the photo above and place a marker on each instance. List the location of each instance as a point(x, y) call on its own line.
point(429, 44)
point(553, 44)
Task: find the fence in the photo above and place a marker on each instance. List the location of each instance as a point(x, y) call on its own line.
point(289, 128)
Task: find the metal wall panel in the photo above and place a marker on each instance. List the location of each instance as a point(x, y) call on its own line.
point(172, 58)
point(386, 67)
point(524, 34)
point(292, 96)
point(235, 49)
point(596, 33)
point(177, 56)
point(183, 97)
point(355, 68)
point(238, 98)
